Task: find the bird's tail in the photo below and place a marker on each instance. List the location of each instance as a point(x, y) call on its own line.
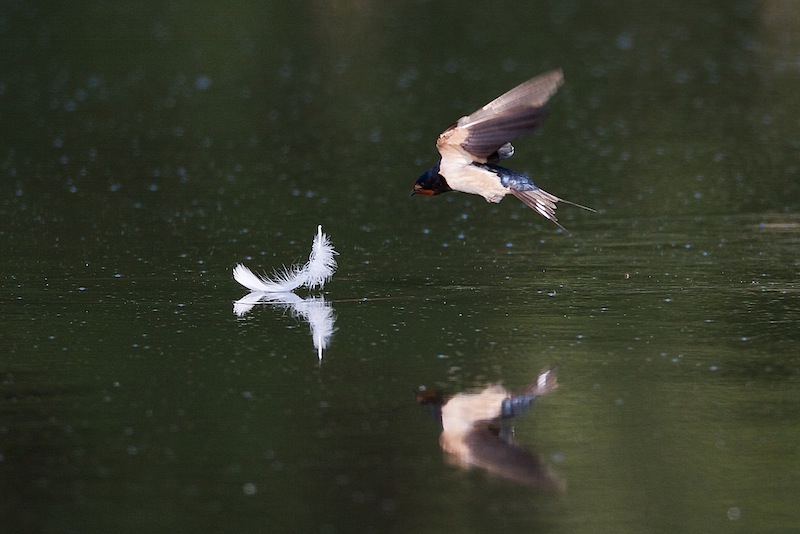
point(521, 401)
point(544, 203)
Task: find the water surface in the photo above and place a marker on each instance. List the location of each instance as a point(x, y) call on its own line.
point(147, 149)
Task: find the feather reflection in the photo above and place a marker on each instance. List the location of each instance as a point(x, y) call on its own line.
point(475, 432)
point(313, 310)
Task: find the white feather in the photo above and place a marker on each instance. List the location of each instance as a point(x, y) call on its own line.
point(321, 262)
point(319, 269)
point(288, 280)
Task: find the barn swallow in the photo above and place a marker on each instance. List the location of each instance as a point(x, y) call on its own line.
point(471, 147)
point(474, 432)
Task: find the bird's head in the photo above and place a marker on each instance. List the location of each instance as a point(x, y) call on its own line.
point(431, 182)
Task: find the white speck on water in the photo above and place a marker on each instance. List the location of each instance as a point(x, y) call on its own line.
point(202, 83)
point(388, 505)
point(407, 77)
point(624, 41)
point(375, 135)
point(509, 64)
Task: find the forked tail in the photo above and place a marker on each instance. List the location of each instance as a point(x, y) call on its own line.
point(521, 401)
point(544, 203)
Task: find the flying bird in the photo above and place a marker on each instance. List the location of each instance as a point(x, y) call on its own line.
point(475, 433)
point(471, 148)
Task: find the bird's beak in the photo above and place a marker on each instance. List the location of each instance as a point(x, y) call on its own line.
point(419, 190)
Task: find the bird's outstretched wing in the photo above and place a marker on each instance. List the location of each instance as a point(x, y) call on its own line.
point(485, 134)
point(533, 93)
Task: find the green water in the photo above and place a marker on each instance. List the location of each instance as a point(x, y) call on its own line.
point(148, 148)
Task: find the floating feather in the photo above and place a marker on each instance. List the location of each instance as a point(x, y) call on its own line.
point(321, 262)
point(319, 269)
point(280, 283)
point(278, 289)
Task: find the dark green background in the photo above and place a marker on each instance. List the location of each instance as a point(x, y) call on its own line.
point(147, 147)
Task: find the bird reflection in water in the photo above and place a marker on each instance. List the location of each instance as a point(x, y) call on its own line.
point(313, 310)
point(475, 432)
